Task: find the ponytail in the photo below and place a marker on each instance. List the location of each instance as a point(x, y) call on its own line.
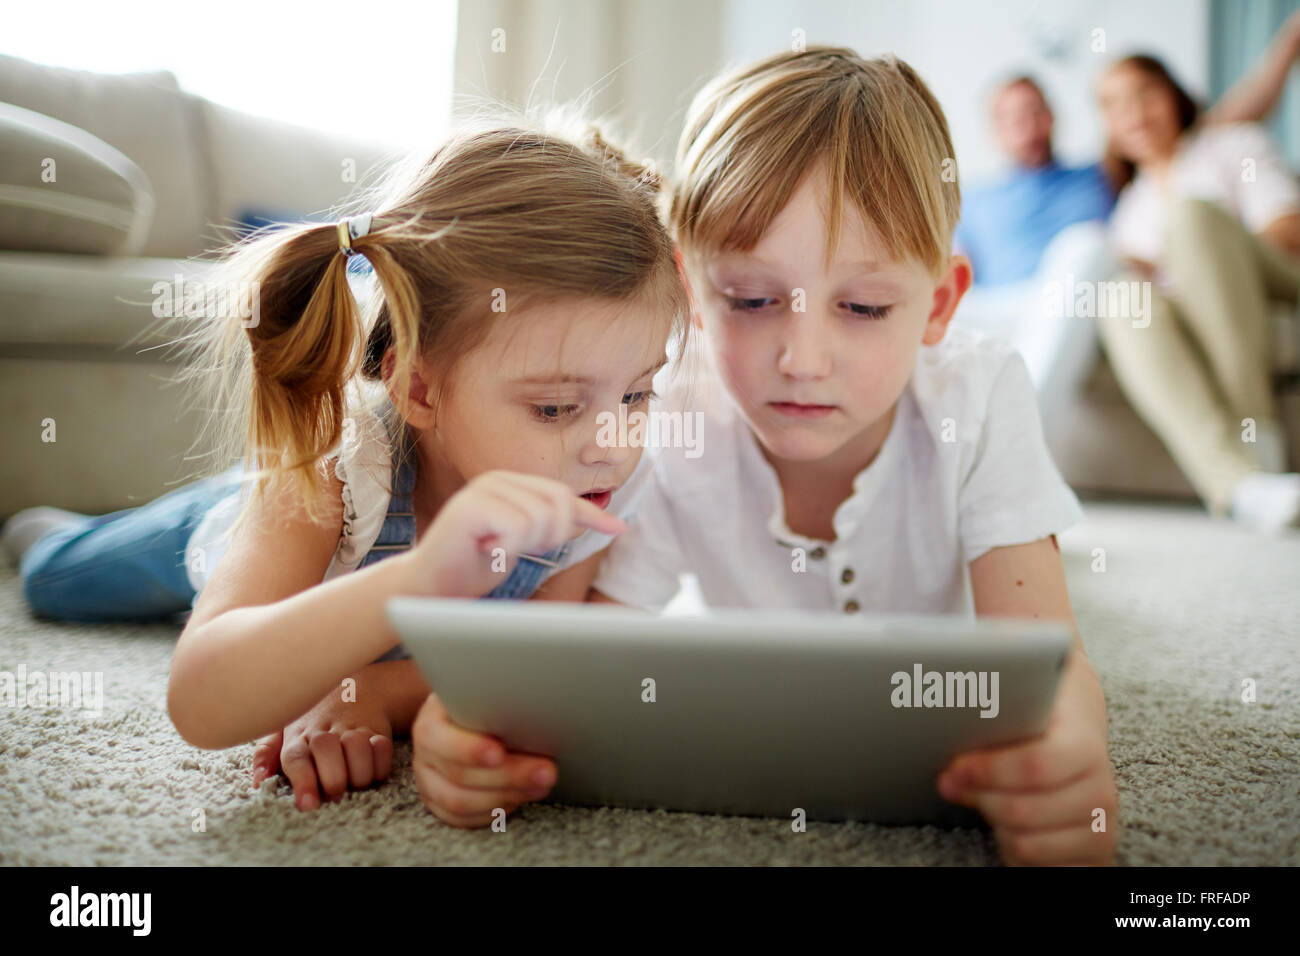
point(272, 372)
point(305, 348)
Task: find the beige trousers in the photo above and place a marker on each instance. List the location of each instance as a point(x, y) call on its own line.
point(1196, 368)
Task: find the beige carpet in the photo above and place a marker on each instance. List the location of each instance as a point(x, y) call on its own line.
point(1185, 611)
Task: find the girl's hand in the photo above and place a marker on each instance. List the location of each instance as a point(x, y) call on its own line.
point(463, 777)
point(483, 528)
point(335, 745)
point(1041, 796)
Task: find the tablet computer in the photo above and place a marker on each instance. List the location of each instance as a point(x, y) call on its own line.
point(764, 713)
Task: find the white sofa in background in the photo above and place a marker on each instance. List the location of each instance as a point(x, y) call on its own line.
point(75, 297)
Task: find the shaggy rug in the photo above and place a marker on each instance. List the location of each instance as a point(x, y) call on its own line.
point(1180, 613)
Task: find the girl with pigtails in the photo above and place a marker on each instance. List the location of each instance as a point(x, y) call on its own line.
point(441, 442)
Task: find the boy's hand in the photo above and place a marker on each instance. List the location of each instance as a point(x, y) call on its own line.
point(335, 745)
point(464, 776)
point(1040, 796)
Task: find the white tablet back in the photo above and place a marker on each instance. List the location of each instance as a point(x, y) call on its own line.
point(746, 712)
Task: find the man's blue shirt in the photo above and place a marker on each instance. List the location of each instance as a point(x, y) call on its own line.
point(1006, 226)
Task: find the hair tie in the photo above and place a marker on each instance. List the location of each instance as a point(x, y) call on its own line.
point(354, 227)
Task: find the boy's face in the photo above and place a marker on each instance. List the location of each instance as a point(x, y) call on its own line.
point(820, 383)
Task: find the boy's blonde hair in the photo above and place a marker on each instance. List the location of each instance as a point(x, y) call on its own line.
point(516, 213)
point(752, 134)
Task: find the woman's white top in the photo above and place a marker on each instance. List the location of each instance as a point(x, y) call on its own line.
point(1232, 164)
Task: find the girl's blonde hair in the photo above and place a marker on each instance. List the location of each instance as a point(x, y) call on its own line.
point(752, 134)
point(515, 213)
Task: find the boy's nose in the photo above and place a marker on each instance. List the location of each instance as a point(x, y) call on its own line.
point(804, 348)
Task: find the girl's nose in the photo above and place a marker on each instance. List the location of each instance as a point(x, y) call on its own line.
point(618, 436)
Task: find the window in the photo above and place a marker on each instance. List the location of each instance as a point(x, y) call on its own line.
point(381, 69)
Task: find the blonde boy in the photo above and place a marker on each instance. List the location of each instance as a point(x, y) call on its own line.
point(857, 453)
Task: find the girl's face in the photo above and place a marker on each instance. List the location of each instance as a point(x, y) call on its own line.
point(1140, 113)
point(816, 359)
point(531, 397)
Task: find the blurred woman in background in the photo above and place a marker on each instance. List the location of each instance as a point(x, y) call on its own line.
point(1210, 216)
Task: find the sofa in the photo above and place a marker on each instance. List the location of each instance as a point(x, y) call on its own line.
point(1102, 446)
point(110, 184)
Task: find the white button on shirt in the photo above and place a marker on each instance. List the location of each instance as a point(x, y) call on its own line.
point(963, 469)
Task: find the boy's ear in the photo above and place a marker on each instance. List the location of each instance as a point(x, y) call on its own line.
point(952, 285)
point(418, 406)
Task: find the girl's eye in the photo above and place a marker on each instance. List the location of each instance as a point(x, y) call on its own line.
point(637, 398)
point(747, 305)
point(869, 311)
point(552, 413)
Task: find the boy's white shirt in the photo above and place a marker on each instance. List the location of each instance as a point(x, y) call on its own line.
point(919, 513)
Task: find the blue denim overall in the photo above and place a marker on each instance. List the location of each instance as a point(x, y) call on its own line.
point(398, 534)
point(130, 564)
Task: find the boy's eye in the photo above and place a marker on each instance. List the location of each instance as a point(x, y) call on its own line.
point(869, 311)
point(747, 305)
point(636, 398)
point(552, 413)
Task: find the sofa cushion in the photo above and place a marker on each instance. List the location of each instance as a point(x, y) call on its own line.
point(115, 309)
point(145, 116)
point(64, 190)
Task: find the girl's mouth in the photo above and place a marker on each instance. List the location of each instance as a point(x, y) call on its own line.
point(600, 498)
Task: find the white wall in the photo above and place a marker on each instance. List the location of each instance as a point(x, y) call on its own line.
point(962, 47)
point(638, 62)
